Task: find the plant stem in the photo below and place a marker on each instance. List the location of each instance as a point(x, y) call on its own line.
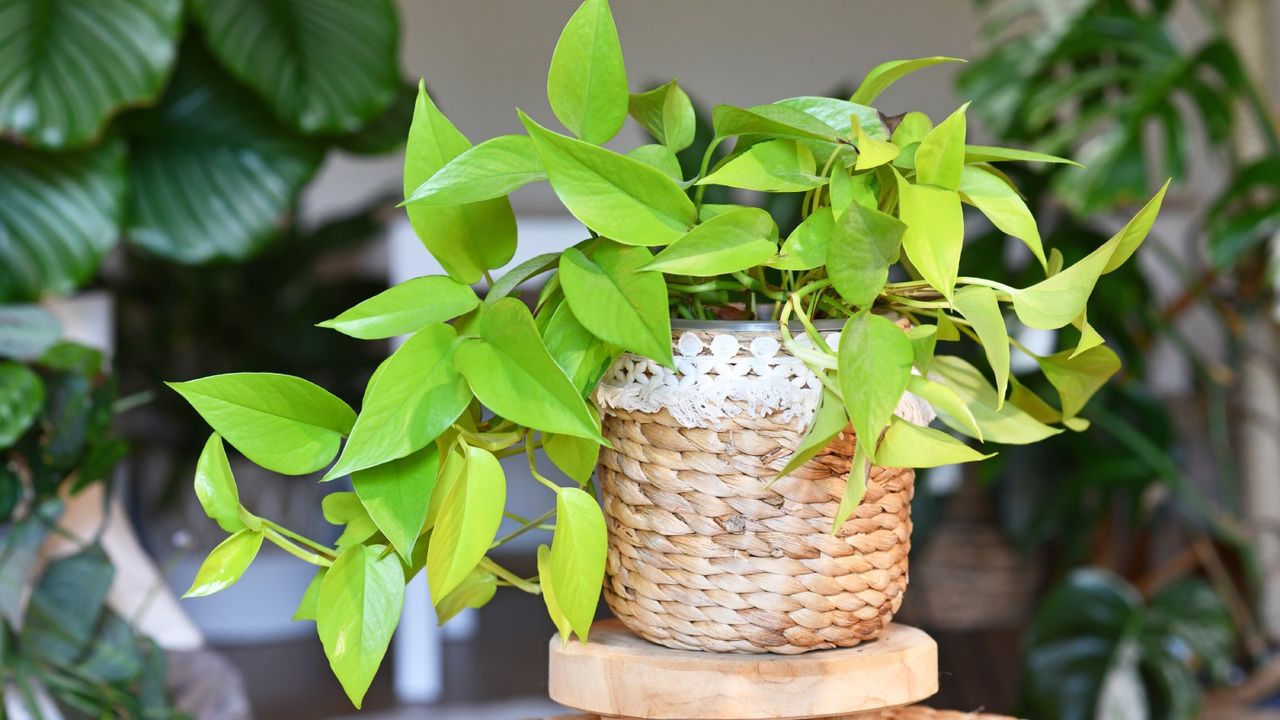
point(300, 538)
point(533, 470)
point(285, 544)
point(526, 527)
point(529, 586)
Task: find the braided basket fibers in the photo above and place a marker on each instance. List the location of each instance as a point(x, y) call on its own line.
point(705, 554)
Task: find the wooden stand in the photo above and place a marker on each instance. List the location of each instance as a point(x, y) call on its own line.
point(620, 675)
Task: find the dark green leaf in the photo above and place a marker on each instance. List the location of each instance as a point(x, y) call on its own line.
point(66, 605)
point(18, 553)
point(27, 331)
point(21, 397)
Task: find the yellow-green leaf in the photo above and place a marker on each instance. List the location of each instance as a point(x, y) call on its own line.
point(1009, 424)
point(872, 152)
point(908, 445)
point(806, 246)
point(771, 166)
point(1078, 377)
point(468, 521)
point(406, 308)
point(855, 486)
point(226, 563)
point(940, 158)
point(828, 422)
point(735, 240)
point(611, 296)
point(587, 83)
point(361, 597)
point(666, 113)
point(574, 568)
point(864, 243)
point(489, 170)
point(887, 73)
point(1003, 207)
point(946, 401)
point(980, 307)
point(935, 232)
point(476, 590)
point(396, 495)
point(216, 487)
point(987, 154)
point(575, 457)
point(875, 366)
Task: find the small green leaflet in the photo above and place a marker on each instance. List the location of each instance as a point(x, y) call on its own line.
point(666, 113)
point(466, 239)
point(1089, 337)
point(1061, 298)
point(406, 308)
point(986, 154)
point(216, 487)
point(467, 523)
point(979, 305)
point(1078, 377)
point(397, 494)
point(731, 241)
point(476, 590)
point(828, 422)
point(772, 166)
point(864, 244)
point(875, 366)
point(1010, 424)
point(618, 197)
point(887, 73)
point(806, 246)
point(489, 170)
point(619, 304)
point(415, 395)
point(587, 83)
point(924, 338)
point(280, 422)
point(361, 597)
point(574, 567)
point(574, 456)
point(912, 129)
point(939, 160)
point(872, 152)
point(1003, 206)
point(511, 372)
point(908, 445)
point(226, 563)
point(935, 232)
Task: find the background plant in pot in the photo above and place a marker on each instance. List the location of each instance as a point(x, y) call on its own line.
point(879, 250)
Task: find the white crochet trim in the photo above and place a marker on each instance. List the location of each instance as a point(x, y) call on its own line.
point(715, 380)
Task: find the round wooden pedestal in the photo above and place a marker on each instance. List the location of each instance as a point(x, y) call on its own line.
point(620, 675)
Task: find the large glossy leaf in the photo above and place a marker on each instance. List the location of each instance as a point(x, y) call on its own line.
point(466, 239)
point(21, 397)
point(511, 372)
point(864, 243)
point(735, 240)
point(215, 486)
point(1003, 206)
point(773, 166)
point(587, 82)
point(226, 563)
point(211, 172)
point(68, 66)
point(467, 522)
point(59, 215)
point(839, 115)
point(779, 121)
point(406, 308)
point(491, 169)
point(280, 422)
point(574, 568)
point(325, 66)
point(618, 197)
point(66, 605)
point(980, 307)
point(887, 73)
point(358, 609)
point(935, 232)
point(875, 366)
point(618, 303)
point(397, 494)
point(666, 113)
point(415, 395)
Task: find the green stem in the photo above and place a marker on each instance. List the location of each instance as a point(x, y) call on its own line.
point(285, 544)
point(1008, 289)
point(533, 470)
point(300, 538)
point(702, 169)
point(534, 524)
point(529, 586)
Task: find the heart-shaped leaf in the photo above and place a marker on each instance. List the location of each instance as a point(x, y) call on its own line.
point(406, 308)
point(864, 243)
point(1078, 377)
point(491, 169)
point(467, 522)
point(666, 113)
point(574, 568)
point(939, 160)
point(807, 246)
point(280, 422)
point(875, 366)
point(615, 301)
point(773, 166)
point(325, 66)
point(582, 356)
point(873, 153)
point(216, 487)
point(226, 563)
point(70, 66)
point(414, 395)
point(359, 606)
point(980, 307)
point(59, 215)
point(735, 240)
point(397, 494)
point(935, 232)
point(1002, 205)
point(587, 83)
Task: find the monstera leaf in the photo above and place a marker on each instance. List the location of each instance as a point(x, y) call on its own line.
point(59, 214)
point(66, 67)
point(325, 66)
point(212, 174)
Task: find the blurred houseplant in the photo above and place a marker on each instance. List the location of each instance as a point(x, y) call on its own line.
point(1117, 84)
point(882, 198)
point(61, 648)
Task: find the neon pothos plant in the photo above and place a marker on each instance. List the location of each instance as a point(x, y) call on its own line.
point(478, 380)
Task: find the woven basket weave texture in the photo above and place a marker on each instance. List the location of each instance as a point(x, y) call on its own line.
point(706, 554)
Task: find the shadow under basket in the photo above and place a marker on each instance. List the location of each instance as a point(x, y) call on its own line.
point(706, 550)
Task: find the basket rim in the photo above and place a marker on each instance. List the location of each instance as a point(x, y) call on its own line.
point(752, 325)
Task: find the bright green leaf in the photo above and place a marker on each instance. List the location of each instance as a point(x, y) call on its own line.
point(864, 243)
point(806, 246)
point(216, 486)
point(307, 606)
point(1089, 337)
point(587, 84)
point(773, 120)
point(1078, 378)
point(945, 400)
point(406, 308)
point(466, 239)
point(511, 372)
point(887, 73)
point(359, 606)
point(397, 494)
point(855, 487)
point(940, 158)
point(909, 445)
point(580, 354)
point(912, 129)
point(772, 166)
point(979, 305)
point(735, 240)
point(659, 157)
point(280, 422)
point(615, 301)
point(666, 113)
point(1003, 207)
point(828, 422)
point(475, 590)
point(468, 521)
point(872, 152)
point(935, 232)
point(575, 566)
point(489, 170)
point(986, 154)
point(875, 366)
point(1136, 230)
point(516, 276)
point(924, 338)
point(1009, 424)
point(618, 197)
point(226, 563)
point(574, 456)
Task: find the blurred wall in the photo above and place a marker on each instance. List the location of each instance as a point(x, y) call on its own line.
point(483, 58)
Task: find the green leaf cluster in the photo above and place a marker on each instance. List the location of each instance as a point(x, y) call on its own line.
point(878, 245)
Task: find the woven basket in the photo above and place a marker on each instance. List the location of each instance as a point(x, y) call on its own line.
point(704, 552)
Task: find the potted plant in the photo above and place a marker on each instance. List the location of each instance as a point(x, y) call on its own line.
point(740, 512)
